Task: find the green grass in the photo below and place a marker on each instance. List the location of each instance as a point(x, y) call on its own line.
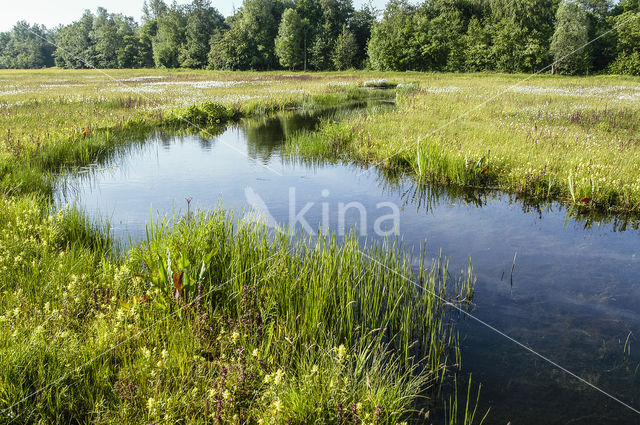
point(267, 330)
point(549, 138)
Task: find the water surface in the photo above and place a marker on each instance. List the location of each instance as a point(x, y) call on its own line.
point(574, 295)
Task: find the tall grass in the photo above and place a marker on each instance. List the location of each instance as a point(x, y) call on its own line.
point(470, 409)
point(323, 288)
point(264, 329)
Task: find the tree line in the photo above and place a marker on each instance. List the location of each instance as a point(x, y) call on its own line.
point(582, 36)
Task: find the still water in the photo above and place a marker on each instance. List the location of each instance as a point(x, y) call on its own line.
point(573, 296)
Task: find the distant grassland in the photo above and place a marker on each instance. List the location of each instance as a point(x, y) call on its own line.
point(573, 139)
point(569, 139)
point(53, 102)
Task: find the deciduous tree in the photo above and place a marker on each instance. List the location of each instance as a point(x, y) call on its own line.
point(289, 43)
point(569, 47)
point(346, 50)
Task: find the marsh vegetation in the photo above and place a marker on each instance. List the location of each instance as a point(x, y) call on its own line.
point(209, 319)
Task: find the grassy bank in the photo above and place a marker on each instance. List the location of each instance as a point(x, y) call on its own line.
point(257, 330)
point(51, 123)
point(547, 138)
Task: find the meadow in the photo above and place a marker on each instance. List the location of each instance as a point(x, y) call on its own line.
point(212, 321)
point(572, 140)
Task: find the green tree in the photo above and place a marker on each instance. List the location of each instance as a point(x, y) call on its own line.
point(261, 19)
point(444, 49)
point(518, 49)
point(521, 32)
point(570, 38)
point(128, 42)
point(26, 47)
point(289, 43)
point(506, 51)
point(322, 49)
point(104, 38)
point(360, 25)
point(628, 59)
point(170, 38)
point(231, 49)
point(477, 44)
point(333, 15)
point(147, 32)
point(129, 54)
point(346, 50)
point(250, 41)
point(5, 55)
point(235, 48)
point(108, 37)
point(202, 21)
point(603, 45)
point(310, 11)
point(153, 10)
point(75, 47)
point(396, 41)
point(145, 35)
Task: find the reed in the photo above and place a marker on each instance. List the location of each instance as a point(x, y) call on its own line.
point(468, 415)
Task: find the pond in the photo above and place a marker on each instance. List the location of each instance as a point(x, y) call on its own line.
point(573, 294)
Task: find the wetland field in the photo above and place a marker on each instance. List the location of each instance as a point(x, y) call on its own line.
point(327, 248)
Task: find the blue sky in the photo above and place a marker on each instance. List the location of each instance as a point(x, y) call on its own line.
point(52, 13)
